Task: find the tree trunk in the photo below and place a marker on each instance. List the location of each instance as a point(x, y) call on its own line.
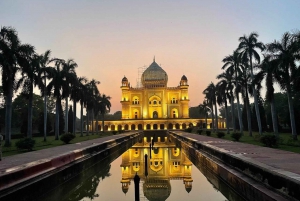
point(292, 116)
point(255, 100)
point(29, 124)
point(274, 117)
point(45, 111)
point(239, 113)
point(103, 123)
point(216, 112)
point(232, 113)
point(66, 115)
point(97, 130)
point(8, 112)
point(92, 121)
point(212, 118)
point(74, 117)
point(57, 119)
point(205, 120)
point(248, 115)
point(226, 116)
point(87, 122)
point(81, 120)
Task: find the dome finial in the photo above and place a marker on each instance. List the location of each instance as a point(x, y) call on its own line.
point(154, 59)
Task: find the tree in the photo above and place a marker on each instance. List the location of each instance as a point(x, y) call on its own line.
point(69, 74)
point(232, 64)
point(42, 124)
point(70, 123)
point(57, 83)
point(247, 48)
point(31, 77)
point(222, 95)
point(10, 49)
point(44, 61)
point(286, 53)
point(104, 107)
point(226, 78)
point(268, 69)
point(204, 109)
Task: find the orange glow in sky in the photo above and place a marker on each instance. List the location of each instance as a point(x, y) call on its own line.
point(110, 39)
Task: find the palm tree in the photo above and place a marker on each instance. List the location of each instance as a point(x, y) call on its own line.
point(10, 49)
point(31, 77)
point(71, 79)
point(244, 87)
point(204, 109)
point(226, 77)
point(268, 69)
point(58, 84)
point(247, 48)
point(77, 93)
point(222, 95)
point(93, 93)
point(104, 107)
point(286, 53)
point(232, 63)
point(82, 99)
point(210, 93)
point(44, 62)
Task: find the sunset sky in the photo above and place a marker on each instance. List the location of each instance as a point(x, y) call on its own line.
point(110, 39)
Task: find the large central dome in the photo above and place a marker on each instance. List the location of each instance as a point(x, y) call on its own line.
point(154, 76)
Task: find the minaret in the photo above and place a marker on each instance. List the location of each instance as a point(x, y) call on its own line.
point(125, 98)
point(184, 100)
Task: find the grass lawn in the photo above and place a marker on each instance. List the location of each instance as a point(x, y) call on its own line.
point(285, 140)
point(51, 142)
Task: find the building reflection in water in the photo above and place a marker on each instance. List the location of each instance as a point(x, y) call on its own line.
point(167, 163)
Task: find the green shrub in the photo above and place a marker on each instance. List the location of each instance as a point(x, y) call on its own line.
point(25, 143)
point(269, 140)
point(292, 142)
point(236, 136)
point(67, 137)
point(115, 132)
point(199, 131)
point(208, 133)
point(189, 129)
point(220, 134)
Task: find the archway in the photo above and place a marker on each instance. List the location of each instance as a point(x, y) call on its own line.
point(162, 126)
point(170, 126)
point(183, 126)
point(190, 125)
point(155, 115)
point(154, 126)
point(119, 127)
point(148, 126)
point(99, 127)
point(126, 127)
point(133, 127)
point(177, 126)
point(113, 127)
point(106, 127)
point(140, 127)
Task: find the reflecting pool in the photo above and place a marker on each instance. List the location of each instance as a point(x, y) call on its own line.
point(165, 171)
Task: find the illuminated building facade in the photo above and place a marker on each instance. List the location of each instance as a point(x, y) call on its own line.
point(154, 105)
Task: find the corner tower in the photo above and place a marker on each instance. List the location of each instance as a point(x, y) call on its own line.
point(184, 96)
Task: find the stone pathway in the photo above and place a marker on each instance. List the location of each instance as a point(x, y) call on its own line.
point(14, 162)
point(283, 160)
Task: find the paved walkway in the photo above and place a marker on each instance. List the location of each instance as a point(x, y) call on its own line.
point(12, 163)
point(279, 159)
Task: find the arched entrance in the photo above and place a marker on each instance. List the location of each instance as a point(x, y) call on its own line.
point(133, 127)
point(183, 126)
point(148, 126)
point(162, 126)
point(170, 126)
point(155, 126)
point(119, 127)
point(126, 127)
point(112, 127)
point(177, 126)
point(140, 127)
point(155, 115)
